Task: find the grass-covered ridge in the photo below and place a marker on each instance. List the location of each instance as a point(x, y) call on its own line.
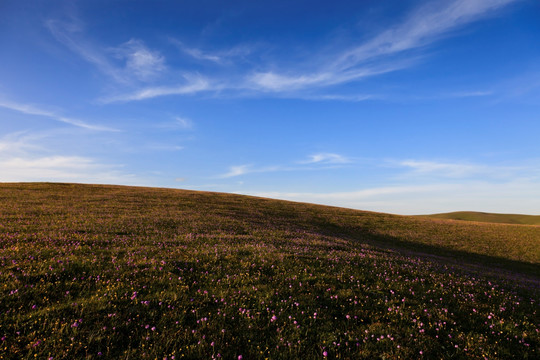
point(489, 217)
point(120, 272)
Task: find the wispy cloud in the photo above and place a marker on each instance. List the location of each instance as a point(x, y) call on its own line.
point(314, 162)
point(236, 170)
point(60, 168)
point(28, 156)
point(129, 61)
point(19, 142)
point(465, 170)
point(37, 111)
point(220, 57)
point(466, 94)
point(197, 54)
point(183, 122)
point(193, 85)
point(239, 170)
point(334, 97)
point(294, 80)
point(326, 158)
point(68, 32)
point(140, 61)
point(429, 198)
point(443, 169)
point(391, 50)
point(421, 28)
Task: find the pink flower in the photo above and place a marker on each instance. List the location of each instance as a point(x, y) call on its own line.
point(325, 354)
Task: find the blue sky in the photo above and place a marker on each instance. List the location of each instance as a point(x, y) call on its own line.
point(406, 107)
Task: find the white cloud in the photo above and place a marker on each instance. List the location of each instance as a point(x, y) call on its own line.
point(236, 171)
point(326, 158)
point(271, 81)
point(33, 110)
point(24, 156)
point(60, 168)
point(200, 55)
point(140, 62)
point(193, 86)
point(278, 82)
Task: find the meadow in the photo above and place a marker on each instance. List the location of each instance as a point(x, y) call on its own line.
point(111, 272)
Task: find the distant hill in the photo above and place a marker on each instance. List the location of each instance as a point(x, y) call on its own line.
point(488, 217)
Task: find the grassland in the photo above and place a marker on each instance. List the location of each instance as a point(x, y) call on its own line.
point(489, 217)
point(90, 272)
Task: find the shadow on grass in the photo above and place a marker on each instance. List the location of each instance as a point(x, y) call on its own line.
point(523, 273)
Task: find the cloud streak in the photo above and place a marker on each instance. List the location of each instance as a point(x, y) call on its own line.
point(443, 169)
point(236, 170)
point(138, 62)
point(314, 162)
point(60, 168)
point(192, 86)
point(429, 198)
point(424, 168)
point(222, 57)
point(33, 110)
point(326, 158)
point(421, 28)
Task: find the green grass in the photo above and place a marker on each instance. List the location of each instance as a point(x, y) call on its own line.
point(488, 217)
point(93, 272)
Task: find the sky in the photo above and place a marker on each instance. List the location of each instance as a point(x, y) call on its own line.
point(403, 106)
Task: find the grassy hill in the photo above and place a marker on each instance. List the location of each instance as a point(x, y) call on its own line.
point(488, 217)
point(92, 272)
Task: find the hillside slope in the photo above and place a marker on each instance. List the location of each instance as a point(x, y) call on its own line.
point(488, 217)
point(206, 213)
point(92, 271)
